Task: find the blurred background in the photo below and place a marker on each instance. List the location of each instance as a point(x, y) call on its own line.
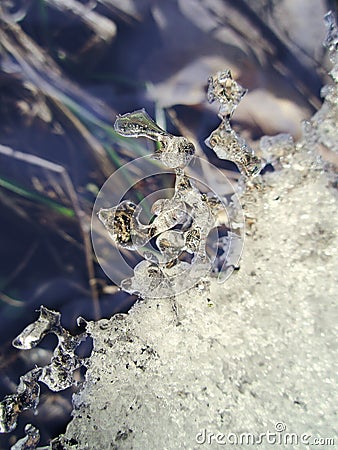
point(67, 67)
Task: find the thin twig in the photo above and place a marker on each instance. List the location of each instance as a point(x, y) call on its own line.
point(85, 230)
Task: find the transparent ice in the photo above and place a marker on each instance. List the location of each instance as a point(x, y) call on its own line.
point(173, 151)
point(225, 90)
point(226, 143)
point(58, 375)
point(26, 397)
point(260, 351)
point(30, 441)
point(331, 42)
point(180, 224)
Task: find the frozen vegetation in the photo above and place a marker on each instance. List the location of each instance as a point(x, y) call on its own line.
point(201, 366)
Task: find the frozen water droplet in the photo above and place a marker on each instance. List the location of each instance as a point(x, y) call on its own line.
point(119, 222)
point(224, 89)
point(26, 397)
point(137, 124)
point(228, 145)
point(173, 152)
point(123, 225)
point(35, 332)
point(58, 375)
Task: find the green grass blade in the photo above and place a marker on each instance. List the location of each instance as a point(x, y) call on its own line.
point(65, 211)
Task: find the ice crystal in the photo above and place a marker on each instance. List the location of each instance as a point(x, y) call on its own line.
point(173, 151)
point(30, 441)
point(123, 226)
point(26, 397)
point(331, 42)
point(30, 337)
point(165, 274)
point(58, 375)
point(180, 224)
point(224, 89)
point(321, 131)
point(226, 143)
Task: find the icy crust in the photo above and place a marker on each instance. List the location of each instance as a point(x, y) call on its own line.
point(261, 350)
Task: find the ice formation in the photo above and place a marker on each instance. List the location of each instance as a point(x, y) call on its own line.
point(26, 397)
point(30, 441)
point(58, 375)
point(226, 143)
point(251, 359)
point(173, 151)
point(321, 130)
point(180, 225)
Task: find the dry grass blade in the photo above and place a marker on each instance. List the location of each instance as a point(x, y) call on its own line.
point(37, 184)
point(25, 59)
point(278, 51)
point(21, 265)
point(10, 301)
point(81, 136)
point(127, 9)
point(68, 188)
point(104, 29)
